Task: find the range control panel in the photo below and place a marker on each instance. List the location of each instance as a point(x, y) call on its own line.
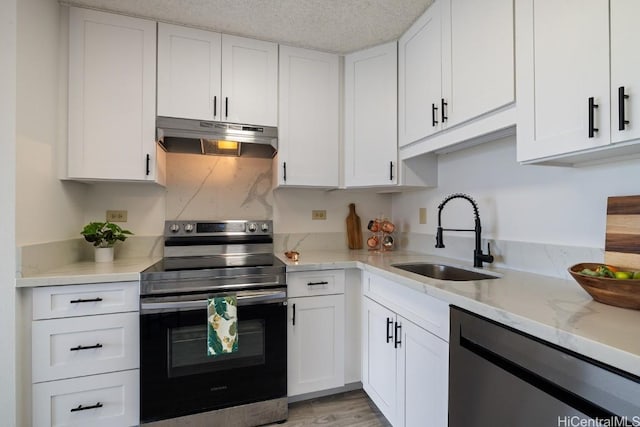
point(218, 228)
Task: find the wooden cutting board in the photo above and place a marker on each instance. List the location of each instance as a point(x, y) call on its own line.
point(622, 242)
point(354, 229)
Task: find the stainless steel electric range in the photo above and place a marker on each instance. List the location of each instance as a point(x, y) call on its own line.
point(205, 259)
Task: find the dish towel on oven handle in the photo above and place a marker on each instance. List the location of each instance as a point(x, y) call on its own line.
point(222, 325)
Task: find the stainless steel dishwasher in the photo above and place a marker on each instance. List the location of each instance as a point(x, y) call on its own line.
point(499, 376)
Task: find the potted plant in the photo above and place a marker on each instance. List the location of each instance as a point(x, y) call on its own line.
point(103, 235)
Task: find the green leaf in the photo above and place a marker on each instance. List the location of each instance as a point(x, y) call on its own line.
point(221, 308)
point(104, 234)
point(233, 328)
point(214, 342)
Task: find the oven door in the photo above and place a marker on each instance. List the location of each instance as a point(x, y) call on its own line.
point(178, 378)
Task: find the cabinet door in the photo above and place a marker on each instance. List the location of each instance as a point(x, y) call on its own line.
point(379, 362)
point(478, 58)
point(315, 343)
point(423, 375)
point(563, 60)
point(249, 81)
point(112, 96)
point(371, 91)
point(625, 70)
point(308, 153)
point(188, 73)
point(420, 77)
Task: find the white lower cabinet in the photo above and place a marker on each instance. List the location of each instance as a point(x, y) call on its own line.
point(98, 400)
point(405, 366)
point(315, 331)
point(85, 355)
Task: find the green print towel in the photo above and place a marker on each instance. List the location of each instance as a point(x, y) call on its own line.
point(222, 334)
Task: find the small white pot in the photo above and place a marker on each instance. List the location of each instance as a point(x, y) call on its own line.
point(104, 254)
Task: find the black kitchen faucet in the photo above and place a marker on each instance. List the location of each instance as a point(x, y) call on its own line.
point(478, 256)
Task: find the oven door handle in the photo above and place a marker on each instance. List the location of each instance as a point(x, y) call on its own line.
point(243, 299)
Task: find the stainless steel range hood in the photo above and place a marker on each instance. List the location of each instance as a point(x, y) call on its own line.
point(216, 138)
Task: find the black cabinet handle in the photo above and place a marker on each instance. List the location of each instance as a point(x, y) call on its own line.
point(389, 334)
point(442, 113)
point(284, 167)
point(148, 164)
point(317, 283)
point(215, 106)
point(434, 120)
point(80, 300)
point(621, 97)
point(294, 315)
point(391, 171)
point(89, 347)
point(226, 107)
point(398, 333)
point(592, 108)
point(84, 408)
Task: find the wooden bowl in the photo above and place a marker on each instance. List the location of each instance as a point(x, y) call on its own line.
point(619, 292)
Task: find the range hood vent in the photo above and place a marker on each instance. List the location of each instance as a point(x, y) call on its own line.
point(216, 138)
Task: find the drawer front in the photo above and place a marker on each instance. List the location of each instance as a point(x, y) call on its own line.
point(82, 300)
point(312, 283)
point(108, 400)
point(427, 312)
point(73, 347)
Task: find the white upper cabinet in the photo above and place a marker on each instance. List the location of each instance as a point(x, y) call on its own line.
point(112, 97)
point(420, 77)
point(456, 75)
point(249, 81)
point(371, 143)
point(563, 76)
point(308, 129)
point(188, 72)
point(478, 58)
point(210, 76)
point(625, 70)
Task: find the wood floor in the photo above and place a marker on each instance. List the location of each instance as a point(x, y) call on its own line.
point(351, 409)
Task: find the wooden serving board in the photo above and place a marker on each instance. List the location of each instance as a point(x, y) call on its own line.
point(622, 241)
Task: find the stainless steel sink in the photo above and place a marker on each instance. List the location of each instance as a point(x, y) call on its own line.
point(444, 272)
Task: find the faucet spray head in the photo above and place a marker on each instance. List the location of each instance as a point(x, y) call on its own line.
point(439, 242)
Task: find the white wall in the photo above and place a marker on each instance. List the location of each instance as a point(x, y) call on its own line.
point(7, 212)
point(542, 204)
point(47, 208)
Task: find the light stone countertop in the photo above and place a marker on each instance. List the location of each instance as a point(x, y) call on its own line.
point(555, 310)
point(121, 270)
point(552, 309)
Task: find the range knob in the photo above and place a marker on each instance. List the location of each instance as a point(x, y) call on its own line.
point(264, 227)
point(174, 228)
point(188, 228)
point(252, 227)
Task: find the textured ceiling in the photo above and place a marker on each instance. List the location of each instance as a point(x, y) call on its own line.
point(340, 26)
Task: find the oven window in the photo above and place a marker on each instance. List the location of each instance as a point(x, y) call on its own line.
point(187, 349)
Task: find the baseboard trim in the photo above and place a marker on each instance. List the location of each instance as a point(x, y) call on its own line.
point(313, 395)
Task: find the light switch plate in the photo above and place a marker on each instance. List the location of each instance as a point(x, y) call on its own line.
point(423, 215)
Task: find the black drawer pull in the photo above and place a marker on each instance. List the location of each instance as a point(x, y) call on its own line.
point(389, 334)
point(622, 123)
point(80, 300)
point(148, 164)
point(442, 105)
point(215, 106)
point(293, 320)
point(434, 120)
point(592, 108)
point(391, 171)
point(398, 333)
point(81, 347)
point(84, 408)
point(317, 283)
point(284, 167)
point(226, 107)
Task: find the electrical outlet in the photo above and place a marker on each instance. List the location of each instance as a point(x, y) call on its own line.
point(319, 215)
point(117, 216)
point(423, 215)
